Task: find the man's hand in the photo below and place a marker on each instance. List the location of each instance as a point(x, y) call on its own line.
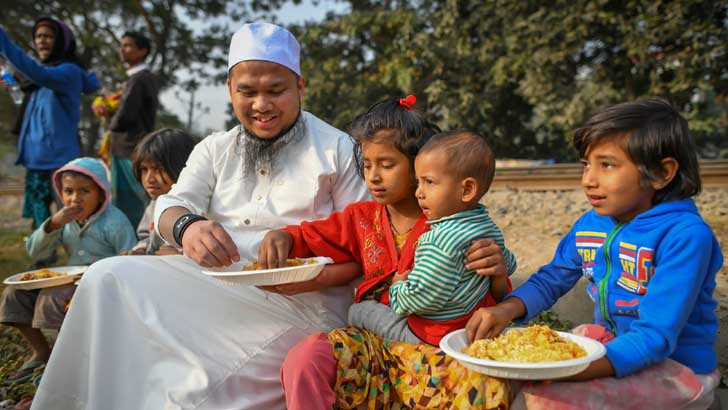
point(274, 249)
point(208, 244)
point(487, 323)
point(62, 217)
point(486, 258)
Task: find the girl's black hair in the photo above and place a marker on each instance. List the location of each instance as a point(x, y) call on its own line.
point(653, 130)
point(411, 130)
point(167, 147)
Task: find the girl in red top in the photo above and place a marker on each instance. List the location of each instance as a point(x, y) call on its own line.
point(381, 236)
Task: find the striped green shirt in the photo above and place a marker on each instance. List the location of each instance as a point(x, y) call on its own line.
point(439, 287)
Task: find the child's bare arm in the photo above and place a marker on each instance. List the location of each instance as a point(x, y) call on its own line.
point(332, 275)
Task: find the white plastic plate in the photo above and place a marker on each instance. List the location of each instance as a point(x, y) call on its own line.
point(453, 343)
point(235, 275)
point(71, 274)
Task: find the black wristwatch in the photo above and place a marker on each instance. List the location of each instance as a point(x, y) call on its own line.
point(180, 226)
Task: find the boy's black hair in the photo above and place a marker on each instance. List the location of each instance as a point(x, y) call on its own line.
point(167, 147)
point(468, 156)
point(140, 40)
point(653, 130)
point(411, 130)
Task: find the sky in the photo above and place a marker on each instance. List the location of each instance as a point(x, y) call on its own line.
point(216, 96)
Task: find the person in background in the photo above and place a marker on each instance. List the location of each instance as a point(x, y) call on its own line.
point(158, 161)
point(90, 228)
point(133, 119)
point(47, 122)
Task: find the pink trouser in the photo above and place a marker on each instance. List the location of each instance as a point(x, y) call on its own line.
point(308, 374)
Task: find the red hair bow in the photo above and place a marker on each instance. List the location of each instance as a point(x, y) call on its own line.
point(408, 102)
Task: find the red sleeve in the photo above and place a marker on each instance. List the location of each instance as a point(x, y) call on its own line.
point(334, 237)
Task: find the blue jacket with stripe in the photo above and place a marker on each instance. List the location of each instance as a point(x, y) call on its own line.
point(652, 282)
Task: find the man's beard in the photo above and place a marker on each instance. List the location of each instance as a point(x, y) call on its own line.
point(260, 153)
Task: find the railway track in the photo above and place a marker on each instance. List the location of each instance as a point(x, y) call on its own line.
point(714, 174)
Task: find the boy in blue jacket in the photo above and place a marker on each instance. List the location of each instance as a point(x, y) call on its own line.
point(90, 228)
point(651, 262)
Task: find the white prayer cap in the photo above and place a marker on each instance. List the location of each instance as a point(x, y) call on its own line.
point(265, 42)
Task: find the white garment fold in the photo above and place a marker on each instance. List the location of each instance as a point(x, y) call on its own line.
point(198, 344)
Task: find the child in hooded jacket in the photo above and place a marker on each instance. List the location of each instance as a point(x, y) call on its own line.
point(157, 163)
point(90, 228)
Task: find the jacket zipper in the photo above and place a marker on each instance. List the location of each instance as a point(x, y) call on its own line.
point(604, 283)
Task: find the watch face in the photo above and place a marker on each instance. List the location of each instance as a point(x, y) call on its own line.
point(183, 220)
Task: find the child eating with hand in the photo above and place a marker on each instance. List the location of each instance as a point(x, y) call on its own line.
point(90, 228)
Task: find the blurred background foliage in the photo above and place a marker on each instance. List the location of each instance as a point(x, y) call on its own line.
point(524, 72)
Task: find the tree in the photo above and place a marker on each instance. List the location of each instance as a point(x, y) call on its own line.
point(526, 73)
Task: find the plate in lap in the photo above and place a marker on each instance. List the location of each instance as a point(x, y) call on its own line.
point(453, 343)
point(235, 275)
point(69, 274)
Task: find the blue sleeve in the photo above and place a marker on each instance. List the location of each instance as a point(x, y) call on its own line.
point(123, 236)
point(63, 78)
point(682, 263)
point(41, 245)
point(551, 281)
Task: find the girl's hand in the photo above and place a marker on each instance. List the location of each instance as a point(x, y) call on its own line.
point(401, 276)
point(4, 84)
point(486, 258)
point(167, 250)
point(487, 323)
point(274, 249)
point(331, 275)
point(128, 252)
point(62, 217)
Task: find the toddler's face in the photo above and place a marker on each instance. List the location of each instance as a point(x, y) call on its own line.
point(387, 172)
point(439, 193)
point(155, 179)
point(81, 191)
point(611, 181)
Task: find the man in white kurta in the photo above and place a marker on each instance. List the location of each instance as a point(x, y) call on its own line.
point(148, 332)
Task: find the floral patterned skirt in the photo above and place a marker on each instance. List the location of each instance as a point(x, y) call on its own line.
point(375, 373)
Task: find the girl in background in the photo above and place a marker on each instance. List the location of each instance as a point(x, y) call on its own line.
point(157, 162)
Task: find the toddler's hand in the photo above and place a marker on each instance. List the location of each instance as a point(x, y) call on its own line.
point(63, 216)
point(274, 249)
point(486, 258)
point(401, 276)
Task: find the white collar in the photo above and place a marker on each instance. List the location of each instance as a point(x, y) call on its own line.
point(137, 68)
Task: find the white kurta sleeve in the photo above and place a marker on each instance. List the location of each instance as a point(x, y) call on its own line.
point(195, 184)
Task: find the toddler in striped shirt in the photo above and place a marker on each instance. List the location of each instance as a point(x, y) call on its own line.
point(454, 171)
